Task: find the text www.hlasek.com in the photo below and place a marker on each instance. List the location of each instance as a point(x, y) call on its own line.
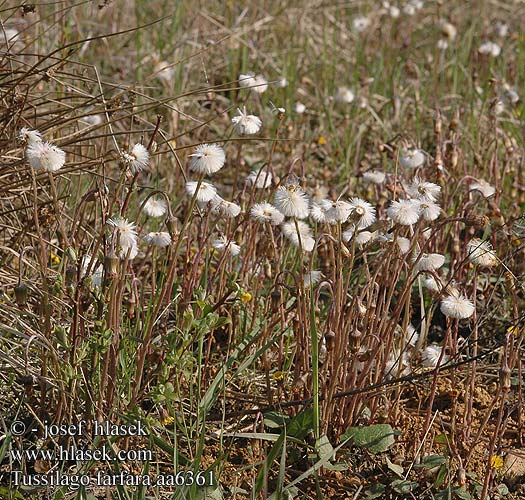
point(83, 455)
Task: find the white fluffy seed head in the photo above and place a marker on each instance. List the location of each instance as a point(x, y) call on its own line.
point(137, 160)
point(207, 159)
point(431, 283)
point(429, 262)
point(481, 253)
point(258, 83)
point(28, 136)
point(158, 239)
point(163, 70)
point(299, 234)
point(246, 124)
point(430, 356)
point(360, 23)
point(413, 158)
point(261, 179)
point(457, 306)
point(222, 244)
point(266, 212)
point(490, 49)
point(344, 95)
point(205, 193)
point(339, 211)
point(363, 214)
point(374, 177)
point(155, 207)
point(311, 278)
point(404, 212)
point(292, 201)
point(126, 235)
point(299, 108)
point(423, 190)
point(224, 208)
point(483, 187)
point(429, 210)
point(45, 156)
point(319, 211)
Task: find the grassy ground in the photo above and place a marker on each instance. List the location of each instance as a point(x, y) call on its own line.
point(364, 356)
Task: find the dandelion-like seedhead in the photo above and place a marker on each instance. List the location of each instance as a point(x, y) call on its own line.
point(126, 231)
point(158, 239)
point(246, 124)
point(96, 270)
point(292, 201)
point(339, 211)
point(28, 136)
point(457, 306)
point(261, 179)
point(205, 192)
point(413, 158)
point(207, 159)
point(423, 190)
point(311, 278)
point(481, 253)
point(224, 208)
point(222, 244)
point(299, 108)
point(319, 211)
point(404, 212)
point(45, 156)
point(258, 83)
point(165, 71)
point(266, 212)
point(363, 214)
point(374, 177)
point(431, 354)
point(155, 207)
point(344, 95)
point(483, 187)
point(429, 210)
point(360, 23)
point(489, 49)
point(136, 160)
point(429, 262)
point(299, 234)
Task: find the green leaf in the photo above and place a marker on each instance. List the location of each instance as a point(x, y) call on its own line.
point(375, 491)
point(402, 486)
point(275, 420)
point(5, 446)
point(301, 425)
point(323, 448)
point(502, 489)
point(462, 493)
point(441, 439)
point(395, 468)
point(441, 476)
point(376, 438)
point(431, 461)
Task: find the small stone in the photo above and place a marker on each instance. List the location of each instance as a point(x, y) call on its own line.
point(514, 467)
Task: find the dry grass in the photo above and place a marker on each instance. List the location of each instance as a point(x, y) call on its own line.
point(238, 364)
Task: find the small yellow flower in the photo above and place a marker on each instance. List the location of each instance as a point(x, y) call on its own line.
point(167, 421)
point(516, 242)
point(513, 329)
point(55, 259)
point(278, 376)
point(496, 462)
point(246, 297)
point(322, 140)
